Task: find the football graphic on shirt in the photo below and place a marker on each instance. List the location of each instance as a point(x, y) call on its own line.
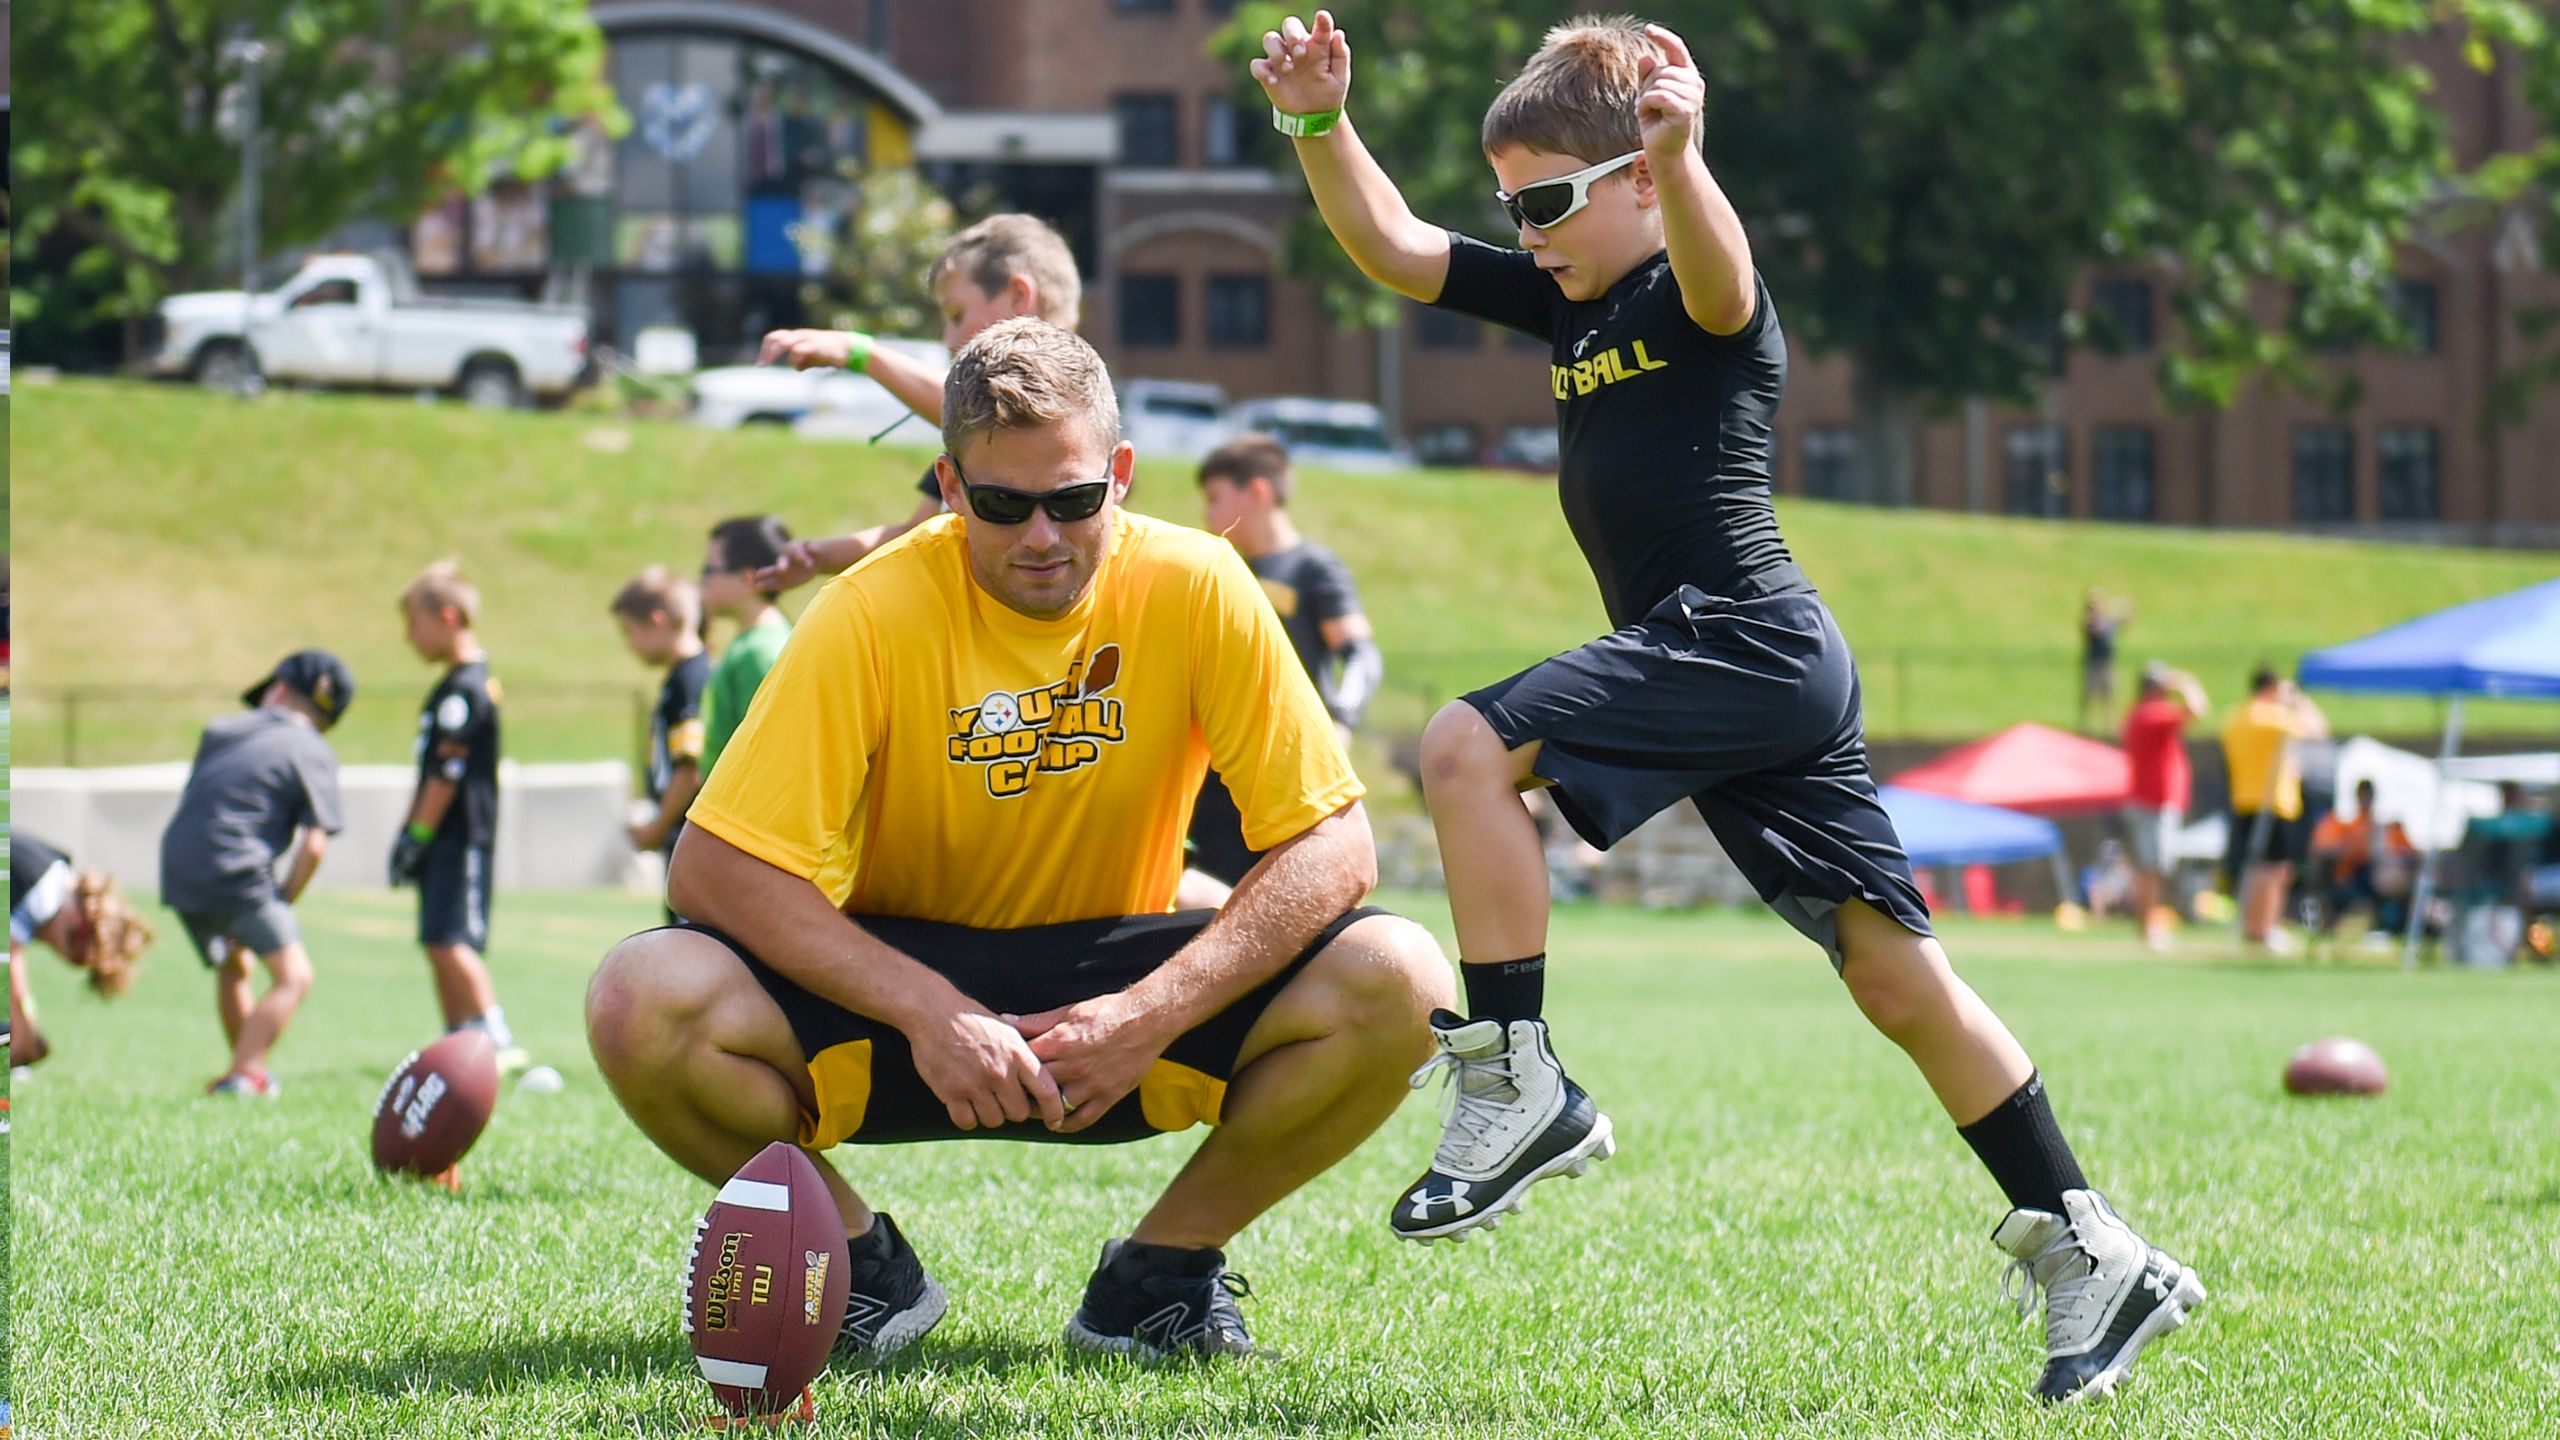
point(1104, 669)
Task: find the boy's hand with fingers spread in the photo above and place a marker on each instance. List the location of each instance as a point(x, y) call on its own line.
point(1305, 72)
point(1675, 96)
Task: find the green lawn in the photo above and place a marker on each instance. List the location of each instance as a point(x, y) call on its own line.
point(186, 540)
point(1792, 1241)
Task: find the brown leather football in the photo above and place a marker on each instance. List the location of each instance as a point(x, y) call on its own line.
point(766, 1286)
point(435, 1105)
point(2336, 1066)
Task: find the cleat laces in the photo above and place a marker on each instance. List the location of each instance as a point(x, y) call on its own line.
point(1478, 1094)
point(2066, 1296)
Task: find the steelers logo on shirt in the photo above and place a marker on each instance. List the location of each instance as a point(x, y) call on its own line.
point(1047, 730)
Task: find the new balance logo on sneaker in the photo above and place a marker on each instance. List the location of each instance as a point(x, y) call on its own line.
point(2108, 1293)
point(1509, 1119)
point(891, 1303)
point(1156, 1301)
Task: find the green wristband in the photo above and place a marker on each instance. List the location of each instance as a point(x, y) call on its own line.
point(421, 831)
point(1304, 127)
point(857, 351)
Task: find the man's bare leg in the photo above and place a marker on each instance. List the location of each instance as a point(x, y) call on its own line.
point(463, 988)
point(1322, 1069)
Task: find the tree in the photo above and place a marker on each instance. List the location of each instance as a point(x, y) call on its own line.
point(875, 274)
point(1925, 177)
point(374, 108)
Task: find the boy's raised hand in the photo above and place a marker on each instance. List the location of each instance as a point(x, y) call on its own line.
point(1305, 72)
point(1675, 95)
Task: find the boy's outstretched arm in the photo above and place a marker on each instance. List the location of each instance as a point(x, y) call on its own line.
point(1308, 72)
point(1710, 254)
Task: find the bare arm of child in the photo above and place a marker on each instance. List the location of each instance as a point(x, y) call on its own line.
point(1308, 72)
point(1710, 254)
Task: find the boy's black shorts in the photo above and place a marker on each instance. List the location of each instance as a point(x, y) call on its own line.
point(1749, 710)
point(453, 895)
point(865, 1076)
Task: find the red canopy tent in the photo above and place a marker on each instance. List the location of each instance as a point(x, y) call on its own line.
point(2029, 767)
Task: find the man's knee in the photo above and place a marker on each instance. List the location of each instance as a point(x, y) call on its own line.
point(648, 993)
point(1384, 975)
point(1459, 748)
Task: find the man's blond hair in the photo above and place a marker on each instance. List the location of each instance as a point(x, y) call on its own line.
point(1026, 372)
point(441, 586)
point(1000, 247)
point(659, 591)
point(1577, 96)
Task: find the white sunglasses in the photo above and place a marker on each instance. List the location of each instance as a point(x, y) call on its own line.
point(1550, 203)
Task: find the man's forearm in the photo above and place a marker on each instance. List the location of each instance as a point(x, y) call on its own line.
point(1277, 910)
point(1710, 253)
point(681, 788)
point(1369, 217)
point(787, 922)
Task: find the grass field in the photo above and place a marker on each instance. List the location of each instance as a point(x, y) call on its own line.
point(1792, 1242)
point(185, 540)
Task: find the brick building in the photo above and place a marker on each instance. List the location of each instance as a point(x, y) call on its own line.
point(1107, 117)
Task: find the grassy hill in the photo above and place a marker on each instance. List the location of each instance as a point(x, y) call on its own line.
point(178, 542)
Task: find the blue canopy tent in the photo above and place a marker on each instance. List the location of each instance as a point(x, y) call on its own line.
point(2507, 645)
point(1937, 830)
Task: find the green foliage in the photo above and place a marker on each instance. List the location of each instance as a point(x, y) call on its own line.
point(129, 161)
point(1925, 179)
point(875, 279)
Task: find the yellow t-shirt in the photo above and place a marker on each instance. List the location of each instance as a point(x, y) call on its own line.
point(2253, 744)
point(922, 750)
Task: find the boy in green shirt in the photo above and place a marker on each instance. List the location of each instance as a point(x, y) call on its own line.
point(736, 550)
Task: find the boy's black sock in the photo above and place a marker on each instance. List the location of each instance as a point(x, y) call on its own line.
point(2022, 1146)
point(1507, 990)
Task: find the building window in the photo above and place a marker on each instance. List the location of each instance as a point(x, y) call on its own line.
point(1156, 7)
point(1830, 462)
point(2121, 306)
point(2409, 489)
point(1230, 134)
point(2120, 473)
point(2043, 340)
point(2037, 471)
point(1149, 131)
point(2414, 301)
point(1150, 310)
point(1438, 329)
point(1239, 311)
point(2324, 473)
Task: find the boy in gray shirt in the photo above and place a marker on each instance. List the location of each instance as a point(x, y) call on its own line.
point(258, 778)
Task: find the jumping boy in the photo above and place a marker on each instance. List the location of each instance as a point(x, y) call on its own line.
point(1727, 683)
point(1003, 266)
point(258, 778)
point(661, 619)
point(1245, 487)
point(453, 817)
point(737, 549)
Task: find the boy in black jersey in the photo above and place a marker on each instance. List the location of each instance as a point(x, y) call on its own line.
point(661, 619)
point(446, 845)
point(1245, 486)
point(1727, 683)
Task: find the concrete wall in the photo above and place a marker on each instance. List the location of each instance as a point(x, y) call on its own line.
point(560, 827)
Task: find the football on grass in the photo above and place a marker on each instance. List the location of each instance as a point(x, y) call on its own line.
point(764, 1290)
point(435, 1105)
point(2336, 1066)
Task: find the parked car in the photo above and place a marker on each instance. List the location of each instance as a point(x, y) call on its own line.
point(1534, 448)
point(353, 320)
point(820, 404)
point(1174, 419)
point(1329, 434)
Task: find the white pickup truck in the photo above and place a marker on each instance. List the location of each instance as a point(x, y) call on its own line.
point(350, 320)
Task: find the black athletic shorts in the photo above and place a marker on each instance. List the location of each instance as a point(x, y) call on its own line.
point(1217, 833)
point(865, 1076)
point(453, 895)
point(2281, 844)
point(1749, 710)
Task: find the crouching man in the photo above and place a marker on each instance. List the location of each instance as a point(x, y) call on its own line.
point(929, 881)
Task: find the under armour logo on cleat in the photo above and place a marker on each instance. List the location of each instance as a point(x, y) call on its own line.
point(1456, 1200)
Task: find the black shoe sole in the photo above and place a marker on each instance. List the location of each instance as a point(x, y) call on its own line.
point(1573, 1164)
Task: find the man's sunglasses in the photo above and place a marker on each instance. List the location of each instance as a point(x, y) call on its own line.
point(1000, 505)
point(1550, 203)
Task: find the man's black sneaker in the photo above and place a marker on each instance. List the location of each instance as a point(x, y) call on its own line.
point(891, 1303)
point(1509, 1119)
point(2107, 1292)
point(1156, 1301)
